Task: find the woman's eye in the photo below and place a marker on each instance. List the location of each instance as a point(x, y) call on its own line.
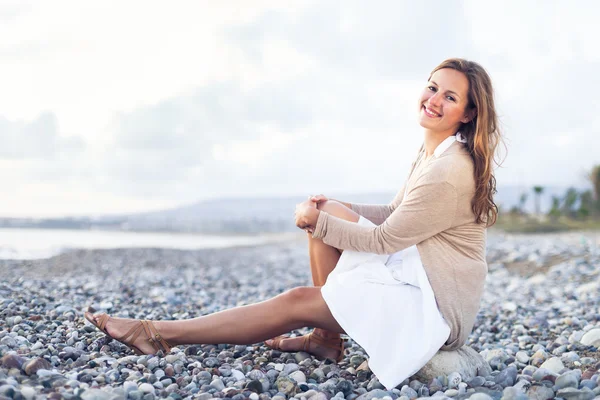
point(432, 88)
point(450, 98)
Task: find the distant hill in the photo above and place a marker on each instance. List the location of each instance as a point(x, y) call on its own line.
point(245, 215)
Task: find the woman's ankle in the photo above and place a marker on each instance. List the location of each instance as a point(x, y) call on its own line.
point(326, 334)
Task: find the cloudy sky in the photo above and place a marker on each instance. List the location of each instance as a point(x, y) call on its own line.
point(119, 106)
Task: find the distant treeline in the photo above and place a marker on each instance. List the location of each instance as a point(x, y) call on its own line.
point(574, 204)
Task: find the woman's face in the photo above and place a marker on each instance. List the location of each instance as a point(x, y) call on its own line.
point(444, 101)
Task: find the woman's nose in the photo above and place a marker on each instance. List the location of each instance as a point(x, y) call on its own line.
point(435, 99)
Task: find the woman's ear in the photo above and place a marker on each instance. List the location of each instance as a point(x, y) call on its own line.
point(469, 115)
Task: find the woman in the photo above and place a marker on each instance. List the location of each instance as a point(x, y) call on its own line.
point(404, 279)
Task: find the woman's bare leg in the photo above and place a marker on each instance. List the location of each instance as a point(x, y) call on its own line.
point(304, 306)
point(243, 325)
point(323, 259)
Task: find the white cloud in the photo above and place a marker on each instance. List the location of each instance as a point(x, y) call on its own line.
point(140, 104)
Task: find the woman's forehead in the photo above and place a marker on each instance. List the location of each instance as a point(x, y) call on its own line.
point(451, 79)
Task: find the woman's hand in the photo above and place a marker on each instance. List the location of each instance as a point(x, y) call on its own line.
point(306, 215)
point(320, 198)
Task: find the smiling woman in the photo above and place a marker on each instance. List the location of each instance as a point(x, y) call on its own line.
point(403, 279)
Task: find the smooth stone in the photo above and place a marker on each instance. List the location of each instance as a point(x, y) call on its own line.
point(480, 396)
point(588, 383)
point(255, 375)
point(27, 392)
point(298, 376)
point(374, 384)
point(591, 338)
point(33, 366)
point(511, 393)
point(454, 379)
point(377, 393)
point(289, 368)
point(569, 357)
point(135, 395)
point(522, 357)
point(171, 358)
point(8, 341)
point(12, 361)
point(466, 361)
point(96, 394)
point(568, 379)
point(7, 390)
point(254, 386)
point(576, 394)
point(553, 364)
point(475, 382)
point(153, 363)
point(320, 396)
point(301, 356)
point(129, 386)
point(357, 360)
point(237, 375)
point(211, 362)
point(540, 392)
point(146, 388)
point(344, 386)
point(217, 384)
point(489, 355)
point(543, 374)
point(451, 393)
point(506, 377)
point(285, 385)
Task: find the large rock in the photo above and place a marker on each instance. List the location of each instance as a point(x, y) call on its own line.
point(466, 361)
point(591, 338)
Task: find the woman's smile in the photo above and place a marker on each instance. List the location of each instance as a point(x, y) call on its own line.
point(430, 113)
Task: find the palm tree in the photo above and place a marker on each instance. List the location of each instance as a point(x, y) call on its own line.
point(522, 201)
point(554, 212)
point(538, 190)
point(586, 204)
point(569, 201)
point(594, 178)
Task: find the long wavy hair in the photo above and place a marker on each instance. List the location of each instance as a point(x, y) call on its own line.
point(483, 136)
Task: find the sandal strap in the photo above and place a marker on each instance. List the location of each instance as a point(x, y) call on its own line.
point(135, 331)
point(331, 343)
point(102, 321)
point(155, 337)
point(276, 344)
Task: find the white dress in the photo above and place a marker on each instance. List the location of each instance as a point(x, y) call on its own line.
point(386, 304)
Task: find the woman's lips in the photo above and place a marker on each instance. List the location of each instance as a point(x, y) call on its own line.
point(430, 113)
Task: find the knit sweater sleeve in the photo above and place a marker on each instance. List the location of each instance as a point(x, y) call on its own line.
point(428, 209)
point(377, 213)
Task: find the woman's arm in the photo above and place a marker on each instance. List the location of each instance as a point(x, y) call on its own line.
point(377, 213)
point(428, 209)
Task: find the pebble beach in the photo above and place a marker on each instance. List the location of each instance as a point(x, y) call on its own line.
point(538, 327)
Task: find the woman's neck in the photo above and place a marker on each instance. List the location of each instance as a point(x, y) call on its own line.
point(433, 140)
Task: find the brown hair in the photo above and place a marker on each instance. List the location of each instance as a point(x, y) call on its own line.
point(483, 136)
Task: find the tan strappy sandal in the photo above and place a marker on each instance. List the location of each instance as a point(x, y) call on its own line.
point(157, 341)
point(333, 343)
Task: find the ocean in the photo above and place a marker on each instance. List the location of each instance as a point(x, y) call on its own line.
point(17, 243)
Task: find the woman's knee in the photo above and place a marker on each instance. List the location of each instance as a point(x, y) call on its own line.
point(308, 308)
point(301, 294)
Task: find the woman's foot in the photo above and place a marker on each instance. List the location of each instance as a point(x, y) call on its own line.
point(322, 344)
point(141, 335)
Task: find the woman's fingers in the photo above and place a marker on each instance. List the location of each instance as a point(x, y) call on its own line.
point(319, 198)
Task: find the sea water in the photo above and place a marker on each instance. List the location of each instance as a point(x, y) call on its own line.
point(17, 243)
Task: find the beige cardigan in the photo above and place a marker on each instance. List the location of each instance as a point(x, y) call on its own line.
point(436, 216)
